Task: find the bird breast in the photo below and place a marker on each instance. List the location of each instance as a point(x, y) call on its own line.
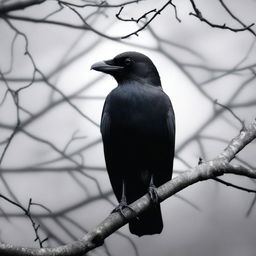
point(138, 110)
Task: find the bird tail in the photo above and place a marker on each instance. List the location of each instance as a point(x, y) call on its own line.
point(150, 222)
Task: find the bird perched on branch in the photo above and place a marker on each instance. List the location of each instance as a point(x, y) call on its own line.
point(138, 131)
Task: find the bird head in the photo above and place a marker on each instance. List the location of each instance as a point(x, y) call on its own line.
point(130, 66)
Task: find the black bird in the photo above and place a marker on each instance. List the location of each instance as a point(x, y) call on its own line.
point(138, 131)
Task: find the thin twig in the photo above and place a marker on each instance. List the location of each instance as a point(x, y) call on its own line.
point(198, 14)
point(28, 213)
point(229, 184)
point(158, 12)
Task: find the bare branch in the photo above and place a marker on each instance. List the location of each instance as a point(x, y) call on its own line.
point(207, 170)
point(199, 15)
point(234, 186)
point(235, 18)
point(150, 20)
point(28, 213)
point(132, 19)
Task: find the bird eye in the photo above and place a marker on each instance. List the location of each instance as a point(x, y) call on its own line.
point(127, 62)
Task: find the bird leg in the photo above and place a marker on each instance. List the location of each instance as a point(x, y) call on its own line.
point(123, 204)
point(152, 192)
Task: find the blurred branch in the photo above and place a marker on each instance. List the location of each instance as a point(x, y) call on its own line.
point(101, 4)
point(58, 23)
point(15, 97)
point(36, 169)
point(9, 6)
point(193, 205)
point(67, 209)
point(232, 113)
point(207, 170)
point(251, 206)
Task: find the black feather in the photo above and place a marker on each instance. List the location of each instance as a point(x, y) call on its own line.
point(138, 131)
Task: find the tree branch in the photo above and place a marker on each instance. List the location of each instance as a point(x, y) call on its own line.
point(235, 186)
point(199, 15)
point(207, 170)
point(158, 12)
point(28, 213)
point(235, 18)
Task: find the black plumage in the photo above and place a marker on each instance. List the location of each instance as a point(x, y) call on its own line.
point(138, 131)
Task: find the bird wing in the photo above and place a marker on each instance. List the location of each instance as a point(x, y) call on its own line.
point(112, 164)
point(105, 125)
point(171, 124)
point(161, 160)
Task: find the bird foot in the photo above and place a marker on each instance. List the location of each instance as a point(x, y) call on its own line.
point(153, 194)
point(121, 209)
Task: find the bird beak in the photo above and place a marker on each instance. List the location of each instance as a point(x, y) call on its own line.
point(106, 66)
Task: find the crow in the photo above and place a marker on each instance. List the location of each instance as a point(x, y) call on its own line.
point(138, 132)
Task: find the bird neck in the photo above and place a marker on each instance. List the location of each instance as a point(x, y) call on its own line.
point(150, 80)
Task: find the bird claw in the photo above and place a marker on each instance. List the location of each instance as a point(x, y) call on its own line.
point(121, 209)
point(200, 160)
point(153, 194)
